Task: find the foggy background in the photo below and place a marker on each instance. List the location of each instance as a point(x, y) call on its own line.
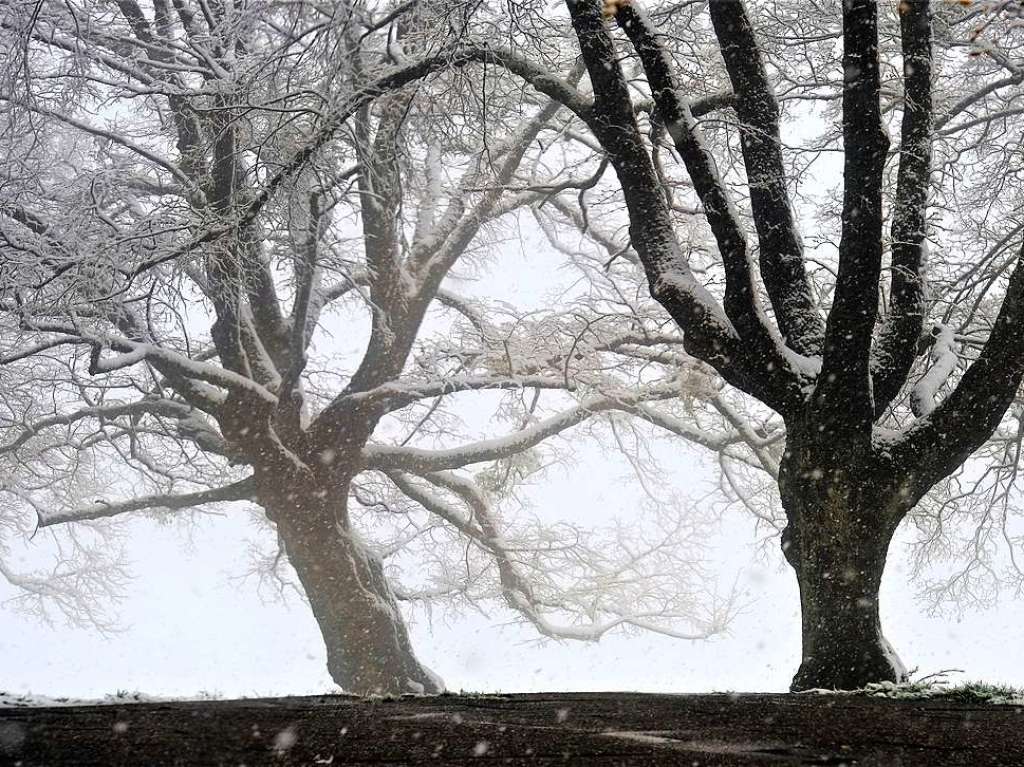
point(190, 625)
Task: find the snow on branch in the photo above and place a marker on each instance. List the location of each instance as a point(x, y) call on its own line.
point(944, 362)
point(624, 582)
point(541, 79)
point(237, 491)
point(132, 352)
point(162, 407)
point(399, 395)
point(420, 460)
point(685, 429)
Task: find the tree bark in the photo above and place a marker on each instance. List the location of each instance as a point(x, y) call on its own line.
point(368, 647)
point(841, 519)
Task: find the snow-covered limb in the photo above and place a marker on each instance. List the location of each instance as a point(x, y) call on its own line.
point(433, 503)
point(688, 431)
point(163, 407)
point(466, 307)
point(397, 394)
point(420, 460)
point(134, 352)
point(942, 121)
point(33, 350)
point(940, 442)
point(551, 85)
point(131, 352)
point(758, 445)
point(741, 300)
point(99, 364)
point(615, 588)
point(237, 491)
point(944, 363)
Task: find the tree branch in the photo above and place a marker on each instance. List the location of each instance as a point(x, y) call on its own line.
point(896, 347)
point(935, 445)
point(162, 407)
point(842, 396)
point(237, 491)
point(781, 252)
point(419, 460)
point(741, 303)
point(710, 333)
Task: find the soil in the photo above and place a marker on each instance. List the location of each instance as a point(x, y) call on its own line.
point(601, 729)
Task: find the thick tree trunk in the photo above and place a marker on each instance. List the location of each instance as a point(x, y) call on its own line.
point(368, 646)
point(840, 525)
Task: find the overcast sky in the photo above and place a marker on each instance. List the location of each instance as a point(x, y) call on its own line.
point(190, 625)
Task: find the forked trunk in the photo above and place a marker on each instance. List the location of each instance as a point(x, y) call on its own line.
point(840, 525)
point(368, 646)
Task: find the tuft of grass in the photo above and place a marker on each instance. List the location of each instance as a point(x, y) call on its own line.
point(984, 692)
point(937, 687)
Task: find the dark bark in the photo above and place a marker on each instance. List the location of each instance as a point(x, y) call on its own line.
point(844, 493)
point(735, 341)
point(842, 510)
point(898, 340)
point(368, 647)
point(843, 395)
point(781, 251)
point(741, 303)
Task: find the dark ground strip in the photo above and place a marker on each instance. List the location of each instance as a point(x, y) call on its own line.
point(544, 729)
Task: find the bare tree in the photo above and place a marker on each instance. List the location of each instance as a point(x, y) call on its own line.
point(875, 413)
point(200, 202)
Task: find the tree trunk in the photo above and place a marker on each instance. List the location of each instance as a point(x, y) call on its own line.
point(368, 646)
point(841, 522)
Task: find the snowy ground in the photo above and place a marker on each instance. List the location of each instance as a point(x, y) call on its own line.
point(32, 700)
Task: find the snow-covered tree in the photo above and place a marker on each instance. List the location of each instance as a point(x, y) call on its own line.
point(889, 365)
point(227, 238)
point(175, 173)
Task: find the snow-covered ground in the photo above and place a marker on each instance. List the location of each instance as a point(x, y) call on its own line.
point(31, 700)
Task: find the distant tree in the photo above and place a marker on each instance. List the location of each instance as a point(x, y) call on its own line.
point(204, 207)
point(885, 387)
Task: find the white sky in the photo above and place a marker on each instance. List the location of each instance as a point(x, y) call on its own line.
point(188, 627)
